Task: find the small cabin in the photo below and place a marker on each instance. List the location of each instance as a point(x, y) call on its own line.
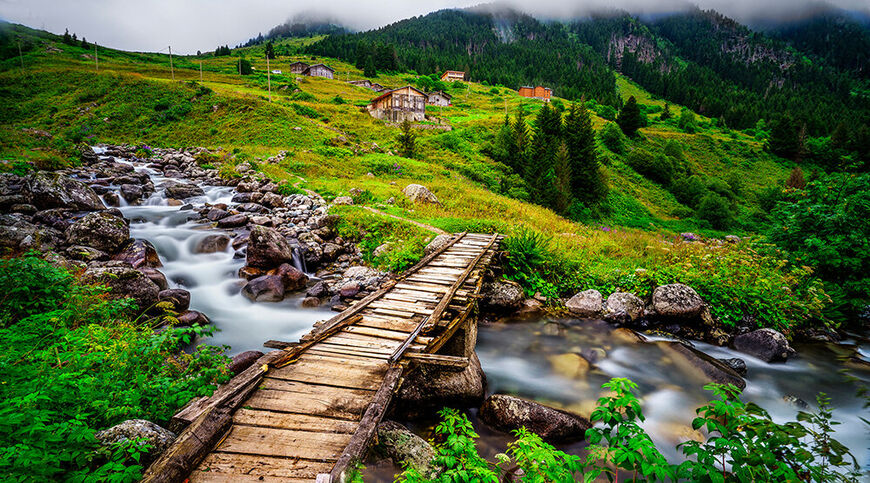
point(377, 87)
point(319, 70)
point(438, 98)
point(298, 67)
point(361, 83)
point(399, 104)
point(537, 92)
point(453, 75)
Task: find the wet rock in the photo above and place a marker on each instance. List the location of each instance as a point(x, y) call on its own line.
point(796, 402)
point(233, 221)
point(624, 307)
point(178, 297)
point(293, 278)
point(736, 363)
point(111, 199)
point(159, 439)
point(502, 296)
point(430, 388)
point(23, 208)
point(677, 300)
point(243, 360)
point(508, 413)
point(331, 251)
point(436, 244)
point(272, 200)
point(191, 318)
point(403, 447)
point(85, 254)
point(572, 366)
point(123, 282)
point(349, 289)
point(212, 244)
point(310, 302)
point(216, 214)
point(586, 304)
point(57, 218)
point(700, 365)
point(627, 336)
point(320, 289)
point(183, 191)
point(131, 192)
point(268, 288)
point(156, 276)
point(53, 190)
point(99, 230)
point(253, 208)
point(268, 248)
point(381, 250)
point(765, 344)
point(419, 194)
point(530, 306)
point(18, 234)
point(139, 253)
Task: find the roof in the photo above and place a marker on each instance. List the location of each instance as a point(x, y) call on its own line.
point(298, 62)
point(441, 93)
point(453, 72)
point(385, 94)
point(321, 65)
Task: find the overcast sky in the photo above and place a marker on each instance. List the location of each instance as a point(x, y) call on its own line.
point(191, 25)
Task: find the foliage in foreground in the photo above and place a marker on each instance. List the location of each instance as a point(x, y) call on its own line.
point(742, 444)
point(73, 363)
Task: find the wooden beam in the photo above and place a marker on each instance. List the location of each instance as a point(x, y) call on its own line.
point(291, 353)
point(450, 363)
point(277, 344)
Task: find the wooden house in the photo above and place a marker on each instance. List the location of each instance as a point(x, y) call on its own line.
point(438, 98)
point(298, 67)
point(377, 87)
point(399, 104)
point(362, 83)
point(537, 92)
point(319, 70)
point(453, 75)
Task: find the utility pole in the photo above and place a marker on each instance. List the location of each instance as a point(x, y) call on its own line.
point(96, 59)
point(20, 56)
point(269, 76)
point(171, 69)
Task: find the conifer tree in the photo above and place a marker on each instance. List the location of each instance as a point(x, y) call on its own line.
point(85, 44)
point(407, 140)
point(520, 139)
point(270, 50)
point(586, 183)
point(666, 113)
point(785, 138)
point(67, 39)
point(629, 118)
point(369, 67)
point(561, 179)
point(840, 136)
point(539, 166)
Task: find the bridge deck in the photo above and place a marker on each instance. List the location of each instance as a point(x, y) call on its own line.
point(307, 412)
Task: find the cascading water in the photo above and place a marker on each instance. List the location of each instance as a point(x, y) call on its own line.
point(212, 278)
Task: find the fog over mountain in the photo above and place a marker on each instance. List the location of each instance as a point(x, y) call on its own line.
point(153, 25)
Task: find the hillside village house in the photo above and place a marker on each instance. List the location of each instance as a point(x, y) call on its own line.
point(438, 98)
point(319, 70)
point(298, 67)
point(378, 88)
point(361, 83)
point(538, 92)
point(453, 75)
point(399, 104)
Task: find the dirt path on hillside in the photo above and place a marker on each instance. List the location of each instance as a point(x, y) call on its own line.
point(424, 226)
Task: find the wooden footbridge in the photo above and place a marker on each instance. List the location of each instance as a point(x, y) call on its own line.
point(308, 412)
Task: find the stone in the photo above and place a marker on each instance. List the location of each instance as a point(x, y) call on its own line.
point(572, 366)
point(436, 244)
point(272, 200)
point(624, 307)
point(146, 432)
point(192, 317)
point(403, 447)
point(183, 191)
point(233, 221)
point(627, 336)
point(212, 243)
point(765, 344)
point(502, 296)
point(331, 251)
point(267, 288)
point(54, 190)
point(381, 250)
point(216, 214)
point(155, 276)
point(700, 366)
point(320, 289)
point(310, 302)
point(429, 388)
point(586, 304)
point(507, 413)
point(178, 297)
point(342, 200)
point(99, 230)
point(23, 208)
point(18, 234)
point(419, 194)
point(112, 199)
point(131, 192)
point(243, 360)
point(267, 248)
point(293, 278)
point(677, 300)
point(85, 254)
point(124, 282)
point(736, 363)
point(349, 289)
point(139, 253)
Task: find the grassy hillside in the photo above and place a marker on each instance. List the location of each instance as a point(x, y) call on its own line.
point(59, 99)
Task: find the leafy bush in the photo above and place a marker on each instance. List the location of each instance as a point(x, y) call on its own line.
point(303, 96)
point(689, 191)
point(716, 209)
point(687, 121)
point(304, 110)
point(287, 189)
point(612, 138)
point(528, 257)
point(658, 168)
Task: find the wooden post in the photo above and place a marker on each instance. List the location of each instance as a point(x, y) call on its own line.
point(20, 56)
point(269, 76)
point(171, 69)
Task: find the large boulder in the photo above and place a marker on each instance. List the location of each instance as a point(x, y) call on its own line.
point(268, 288)
point(139, 253)
point(53, 190)
point(586, 304)
point(700, 366)
point(431, 388)
point(18, 234)
point(436, 243)
point(182, 191)
point(146, 432)
point(765, 344)
point(243, 360)
point(267, 248)
point(99, 230)
point(419, 194)
point(216, 242)
point(123, 282)
point(502, 295)
point(293, 278)
point(624, 307)
point(677, 300)
point(508, 413)
point(178, 297)
point(398, 443)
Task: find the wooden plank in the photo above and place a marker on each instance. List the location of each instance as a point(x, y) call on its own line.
point(362, 376)
point(208, 477)
point(284, 443)
point(453, 362)
point(382, 333)
point(395, 313)
point(299, 422)
point(350, 354)
point(233, 464)
point(374, 322)
point(317, 334)
point(362, 341)
point(337, 405)
point(425, 260)
point(324, 346)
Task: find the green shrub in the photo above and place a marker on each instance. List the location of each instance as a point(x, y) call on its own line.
point(305, 110)
point(287, 189)
point(528, 258)
point(687, 121)
point(612, 138)
point(716, 209)
point(689, 191)
point(658, 168)
point(303, 96)
point(338, 100)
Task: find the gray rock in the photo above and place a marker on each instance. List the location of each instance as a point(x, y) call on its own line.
point(131, 192)
point(183, 191)
point(429, 387)
point(124, 282)
point(677, 300)
point(736, 363)
point(624, 307)
point(192, 317)
point(404, 447)
point(586, 304)
point(99, 230)
point(320, 289)
point(243, 360)
point(178, 297)
point(216, 214)
point(268, 288)
point(349, 289)
point(18, 234)
point(233, 221)
point(503, 295)
point(267, 248)
point(700, 366)
point(111, 199)
point(293, 278)
point(342, 200)
point(311, 302)
point(508, 413)
point(156, 276)
point(436, 243)
point(212, 243)
point(85, 254)
point(765, 344)
point(272, 200)
point(139, 253)
point(53, 190)
point(419, 194)
point(138, 429)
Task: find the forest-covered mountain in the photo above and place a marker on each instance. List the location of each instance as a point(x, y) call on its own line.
point(300, 26)
point(701, 59)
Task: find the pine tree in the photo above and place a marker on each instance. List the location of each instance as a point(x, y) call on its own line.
point(407, 140)
point(796, 179)
point(66, 37)
point(74, 39)
point(85, 44)
point(369, 67)
point(840, 136)
point(587, 183)
point(784, 138)
point(517, 152)
point(562, 176)
point(629, 118)
point(539, 171)
point(270, 50)
point(666, 113)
